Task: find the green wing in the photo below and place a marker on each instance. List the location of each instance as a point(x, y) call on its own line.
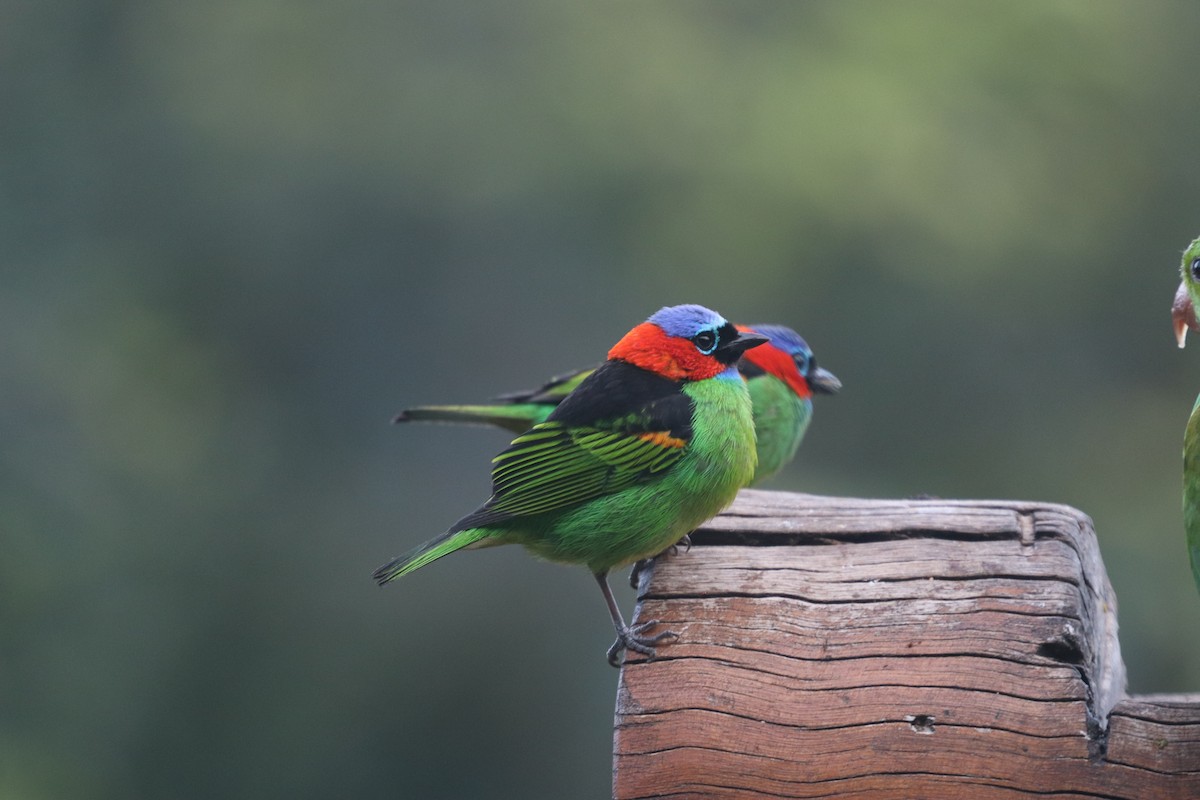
point(552, 392)
point(554, 466)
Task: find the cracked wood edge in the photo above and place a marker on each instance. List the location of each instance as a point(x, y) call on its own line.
point(763, 516)
point(1153, 742)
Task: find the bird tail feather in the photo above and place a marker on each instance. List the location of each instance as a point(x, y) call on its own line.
point(423, 554)
point(516, 418)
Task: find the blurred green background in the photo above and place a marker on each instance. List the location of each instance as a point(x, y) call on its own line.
point(238, 236)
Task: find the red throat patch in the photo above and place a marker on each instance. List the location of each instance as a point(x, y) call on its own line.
point(649, 347)
point(773, 361)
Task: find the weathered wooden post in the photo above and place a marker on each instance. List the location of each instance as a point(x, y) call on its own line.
point(832, 647)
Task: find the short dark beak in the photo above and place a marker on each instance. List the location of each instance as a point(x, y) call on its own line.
point(822, 381)
point(732, 350)
point(1183, 314)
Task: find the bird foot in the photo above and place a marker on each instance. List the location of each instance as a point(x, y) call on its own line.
point(635, 574)
point(630, 638)
point(685, 543)
point(642, 564)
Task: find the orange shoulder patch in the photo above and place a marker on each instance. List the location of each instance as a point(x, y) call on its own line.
point(662, 439)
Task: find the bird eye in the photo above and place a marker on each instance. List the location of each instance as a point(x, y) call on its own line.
point(705, 341)
point(803, 364)
point(1196, 269)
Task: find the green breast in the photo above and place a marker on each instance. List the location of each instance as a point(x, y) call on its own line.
point(780, 420)
point(1191, 490)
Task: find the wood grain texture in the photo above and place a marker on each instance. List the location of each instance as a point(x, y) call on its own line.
point(834, 647)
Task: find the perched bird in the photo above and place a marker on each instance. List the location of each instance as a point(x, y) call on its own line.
point(782, 377)
point(1183, 314)
point(654, 442)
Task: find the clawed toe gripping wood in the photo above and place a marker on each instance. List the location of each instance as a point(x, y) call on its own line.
point(832, 647)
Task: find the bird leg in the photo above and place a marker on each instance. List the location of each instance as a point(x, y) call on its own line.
point(628, 638)
point(643, 564)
